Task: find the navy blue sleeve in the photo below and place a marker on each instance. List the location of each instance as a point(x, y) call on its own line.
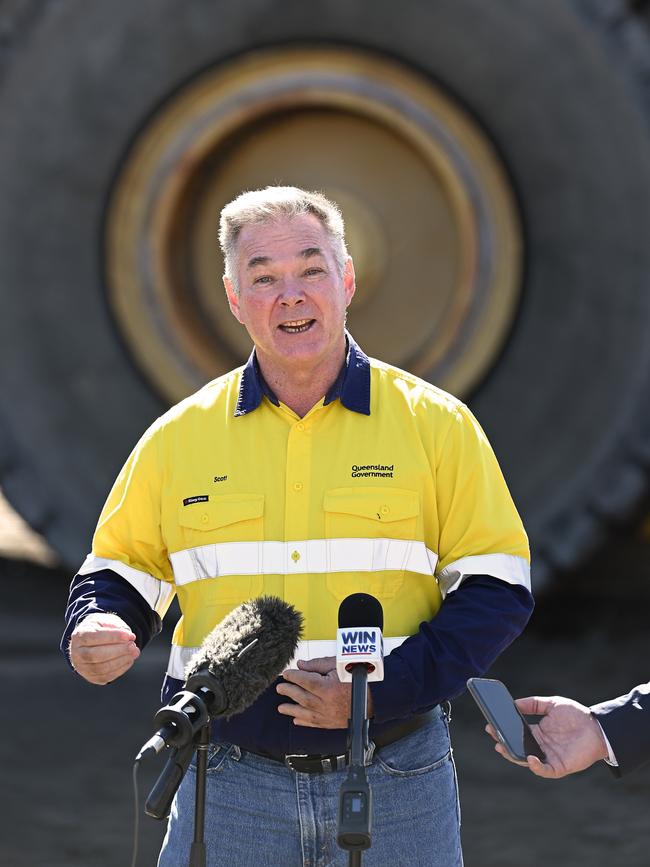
point(106, 592)
point(626, 723)
point(474, 625)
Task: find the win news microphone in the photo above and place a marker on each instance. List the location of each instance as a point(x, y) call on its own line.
point(238, 660)
point(358, 639)
point(359, 658)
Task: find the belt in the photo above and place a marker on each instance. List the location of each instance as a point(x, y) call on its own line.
point(317, 764)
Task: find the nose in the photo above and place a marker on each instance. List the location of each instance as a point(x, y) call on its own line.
point(292, 294)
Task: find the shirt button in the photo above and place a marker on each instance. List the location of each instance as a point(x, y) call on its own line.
point(300, 426)
point(205, 518)
point(384, 510)
point(297, 486)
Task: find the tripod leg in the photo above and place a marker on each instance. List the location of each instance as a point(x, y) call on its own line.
point(197, 852)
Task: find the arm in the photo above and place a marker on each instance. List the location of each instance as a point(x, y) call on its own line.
point(626, 724)
point(125, 586)
point(476, 623)
point(108, 623)
point(474, 626)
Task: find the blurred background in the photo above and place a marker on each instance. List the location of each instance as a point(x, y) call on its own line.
point(492, 161)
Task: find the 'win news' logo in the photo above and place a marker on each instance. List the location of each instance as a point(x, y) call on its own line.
point(361, 641)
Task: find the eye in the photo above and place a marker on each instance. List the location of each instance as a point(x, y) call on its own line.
point(312, 272)
point(264, 279)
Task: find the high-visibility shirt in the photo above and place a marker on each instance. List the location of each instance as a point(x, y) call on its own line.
point(390, 489)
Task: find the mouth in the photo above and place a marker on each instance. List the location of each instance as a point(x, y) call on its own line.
point(296, 326)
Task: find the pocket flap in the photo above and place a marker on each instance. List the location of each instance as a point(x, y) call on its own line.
point(377, 504)
point(221, 511)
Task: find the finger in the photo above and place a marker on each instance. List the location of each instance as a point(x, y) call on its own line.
point(301, 716)
point(104, 635)
point(102, 655)
point(105, 672)
point(491, 732)
point(94, 654)
point(547, 771)
point(506, 755)
point(320, 664)
point(307, 680)
point(296, 693)
point(534, 704)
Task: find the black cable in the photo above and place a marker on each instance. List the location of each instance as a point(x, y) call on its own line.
point(136, 823)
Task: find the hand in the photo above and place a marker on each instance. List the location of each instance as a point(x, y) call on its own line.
point(321, 700)
point(570, 737)
point(102, 647)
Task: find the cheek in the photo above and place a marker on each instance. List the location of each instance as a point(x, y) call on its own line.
point(255, 311)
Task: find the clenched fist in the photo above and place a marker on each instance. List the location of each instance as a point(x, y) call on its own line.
point(102, 648)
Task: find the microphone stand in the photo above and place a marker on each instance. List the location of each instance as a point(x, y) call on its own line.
point(355, 801)
point(197, 852)
point(202, 698)
point(161, 796)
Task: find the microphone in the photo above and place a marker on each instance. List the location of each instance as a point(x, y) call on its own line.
point(358, 639)
point(359, 658)
point(237, 661)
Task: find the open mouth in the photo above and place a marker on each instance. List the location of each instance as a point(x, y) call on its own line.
point(297, 326)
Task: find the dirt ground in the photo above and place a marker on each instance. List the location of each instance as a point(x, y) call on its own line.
point(67, 747)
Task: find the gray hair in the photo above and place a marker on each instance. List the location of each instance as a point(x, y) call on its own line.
point(273, 203)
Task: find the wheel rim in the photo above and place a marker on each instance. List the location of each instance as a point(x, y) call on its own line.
point(431, 219)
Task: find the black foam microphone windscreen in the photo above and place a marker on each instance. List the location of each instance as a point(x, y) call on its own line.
point(245, 653)
point(360, 609)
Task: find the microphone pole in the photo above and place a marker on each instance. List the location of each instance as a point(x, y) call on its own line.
point(197, 851)
point(359, 654)
point(355, 800)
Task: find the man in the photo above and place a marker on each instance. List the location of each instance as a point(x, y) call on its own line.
point(574, 737)
point(311, 473)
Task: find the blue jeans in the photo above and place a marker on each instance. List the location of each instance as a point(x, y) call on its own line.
point(260, 812)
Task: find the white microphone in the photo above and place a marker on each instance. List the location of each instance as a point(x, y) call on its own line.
point(358, 639)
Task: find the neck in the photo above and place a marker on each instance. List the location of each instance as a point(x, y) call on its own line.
point(300, 387)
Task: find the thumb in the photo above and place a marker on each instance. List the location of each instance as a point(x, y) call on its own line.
point(320, 664)
point(534, 705)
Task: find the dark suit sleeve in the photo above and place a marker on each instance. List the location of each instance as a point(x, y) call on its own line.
point(626, 723)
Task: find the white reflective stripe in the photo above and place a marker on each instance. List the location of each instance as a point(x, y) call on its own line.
point(308, 556)
point(513, 570)
point(157, 593)
point(179, 657)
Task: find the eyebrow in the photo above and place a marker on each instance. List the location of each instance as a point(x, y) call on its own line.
point(307, 253)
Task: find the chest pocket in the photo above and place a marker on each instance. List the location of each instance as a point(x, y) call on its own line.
point(370, 529)
point(205, 527)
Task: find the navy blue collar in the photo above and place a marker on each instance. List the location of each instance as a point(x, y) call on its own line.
point(351, 386)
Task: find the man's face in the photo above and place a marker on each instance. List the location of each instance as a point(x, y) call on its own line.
point(292, 298)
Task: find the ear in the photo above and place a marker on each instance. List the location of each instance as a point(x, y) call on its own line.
point(233, 299)
point(349, 283)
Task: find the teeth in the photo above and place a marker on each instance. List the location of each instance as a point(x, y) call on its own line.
point(296, 326)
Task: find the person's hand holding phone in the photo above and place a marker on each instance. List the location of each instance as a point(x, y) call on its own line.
point(506, 721)
point(568, 734)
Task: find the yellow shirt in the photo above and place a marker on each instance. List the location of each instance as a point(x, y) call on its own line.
point(400, 499)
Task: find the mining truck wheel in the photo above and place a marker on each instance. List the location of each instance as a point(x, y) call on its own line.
point(492, 161)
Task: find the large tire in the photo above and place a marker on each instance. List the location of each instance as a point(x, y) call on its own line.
point(565, 404)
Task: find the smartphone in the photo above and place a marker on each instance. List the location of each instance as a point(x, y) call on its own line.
point(499, 709)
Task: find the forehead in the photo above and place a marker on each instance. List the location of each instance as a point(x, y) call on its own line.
point(279, 239)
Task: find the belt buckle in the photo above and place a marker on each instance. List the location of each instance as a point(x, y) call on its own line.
point(328, 764)
point(289, 759)
point(333, 763)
